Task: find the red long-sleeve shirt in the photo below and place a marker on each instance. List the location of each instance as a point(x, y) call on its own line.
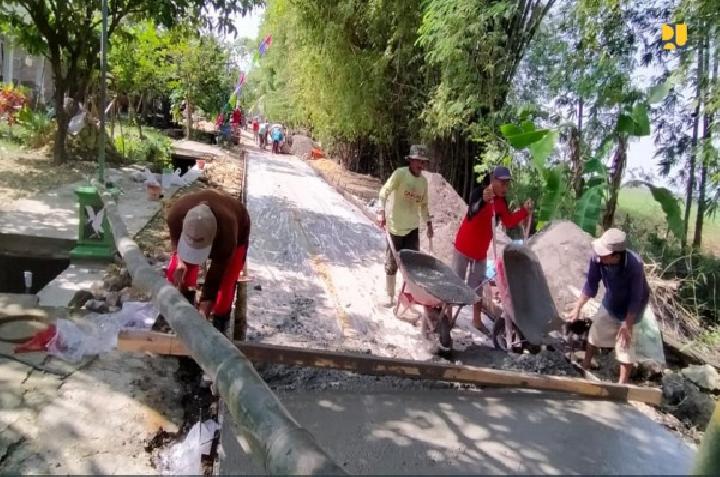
point(233, 230)
point(474, 235)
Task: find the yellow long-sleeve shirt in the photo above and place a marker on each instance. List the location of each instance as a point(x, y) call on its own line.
point(410, 201)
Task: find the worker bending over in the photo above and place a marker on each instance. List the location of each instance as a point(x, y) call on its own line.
point(208, 224)
point(626, 297)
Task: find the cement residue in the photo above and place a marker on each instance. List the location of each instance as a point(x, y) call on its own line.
point(296, 378)
point(545, 362)
point(684, 400)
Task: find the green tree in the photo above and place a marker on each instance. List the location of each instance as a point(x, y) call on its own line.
point(67, 33)
point(202, 74)
point(140, 62)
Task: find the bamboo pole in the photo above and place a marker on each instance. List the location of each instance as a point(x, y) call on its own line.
point(277, 441)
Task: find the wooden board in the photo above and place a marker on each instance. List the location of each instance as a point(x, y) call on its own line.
point(132, 340)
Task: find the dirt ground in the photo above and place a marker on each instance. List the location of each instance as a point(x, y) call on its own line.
point(362, 186)
point(26, 173)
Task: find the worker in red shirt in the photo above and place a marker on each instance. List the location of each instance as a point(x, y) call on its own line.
point(475, 232)
point(256, 129)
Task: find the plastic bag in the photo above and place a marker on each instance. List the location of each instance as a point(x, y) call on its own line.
point(97, 334)
point(150, 178)
point(184, 457)
point(77, 123)
point(647, 339)
point(137, 315)
point(167, 175)
point(75, 340)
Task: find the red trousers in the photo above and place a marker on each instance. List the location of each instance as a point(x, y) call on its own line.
point(226, 292)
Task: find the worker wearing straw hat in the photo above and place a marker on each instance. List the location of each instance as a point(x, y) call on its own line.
point(626, 296)
point(409, 190)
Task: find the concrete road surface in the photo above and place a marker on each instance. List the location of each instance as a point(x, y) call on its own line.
point(487, 432)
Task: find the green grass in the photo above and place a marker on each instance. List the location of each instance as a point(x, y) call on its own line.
point(639, 205)
point(131, 131)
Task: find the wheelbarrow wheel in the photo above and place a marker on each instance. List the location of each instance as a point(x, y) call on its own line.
point(499, 337)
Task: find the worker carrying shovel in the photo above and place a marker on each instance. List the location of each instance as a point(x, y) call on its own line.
point(208, 224)
point(627, 294)
point(409, 190)
point(487, 201)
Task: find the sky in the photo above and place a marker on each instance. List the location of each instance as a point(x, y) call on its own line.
point(248, 26)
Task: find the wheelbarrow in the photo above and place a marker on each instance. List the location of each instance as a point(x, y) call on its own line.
point(519, 302)
point(435, 286)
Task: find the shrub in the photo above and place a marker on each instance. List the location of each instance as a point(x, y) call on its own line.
point(38, 128)
point(155, 151)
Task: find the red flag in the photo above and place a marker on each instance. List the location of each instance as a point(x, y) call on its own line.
point(268, 40)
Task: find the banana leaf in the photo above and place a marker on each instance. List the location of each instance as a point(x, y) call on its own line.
point(589, 209)
point(541, 150)
point(552, 196)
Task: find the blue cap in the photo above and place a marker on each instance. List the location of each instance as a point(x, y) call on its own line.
point(502, 173)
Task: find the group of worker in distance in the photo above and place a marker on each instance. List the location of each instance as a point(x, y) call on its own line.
point(261, 129)
point(213, 225)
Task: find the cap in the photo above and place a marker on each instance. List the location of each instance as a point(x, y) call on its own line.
point(418, 152)
point(613, 240)
point(502, 173)
point(198, 233)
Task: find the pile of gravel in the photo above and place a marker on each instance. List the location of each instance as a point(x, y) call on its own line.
point(301, 145)
point(564, 251)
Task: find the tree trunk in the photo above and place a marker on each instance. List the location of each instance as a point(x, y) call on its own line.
point(708, 118)
point(619, 162)
point(166, 107)
point(140, 115)
point(576, 153)
point(113, 113)
point(576, 166)
point(188, 112)
point(61, 117)
point(693, 152)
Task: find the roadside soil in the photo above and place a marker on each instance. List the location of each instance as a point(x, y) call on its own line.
point(24, 173)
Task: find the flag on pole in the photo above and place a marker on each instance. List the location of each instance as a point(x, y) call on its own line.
point(241, 79)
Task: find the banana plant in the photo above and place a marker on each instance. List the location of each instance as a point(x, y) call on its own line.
point(669, 204)
point(540, 143)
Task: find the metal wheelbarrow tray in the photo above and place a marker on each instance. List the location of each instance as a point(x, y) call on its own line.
point(431, 283)
point(526, 300)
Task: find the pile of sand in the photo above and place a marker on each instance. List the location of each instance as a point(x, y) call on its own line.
point(447, 209)
point(564, 251)
point(301, 145)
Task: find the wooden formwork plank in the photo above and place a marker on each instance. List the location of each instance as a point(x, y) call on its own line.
point(132, 340)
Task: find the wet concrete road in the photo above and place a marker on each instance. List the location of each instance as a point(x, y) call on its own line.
point(486, 432)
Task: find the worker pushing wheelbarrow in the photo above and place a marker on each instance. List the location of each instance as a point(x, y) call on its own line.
point(433, 285)
point(516, 296)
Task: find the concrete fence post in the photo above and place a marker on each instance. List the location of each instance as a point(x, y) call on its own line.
point(277, 441)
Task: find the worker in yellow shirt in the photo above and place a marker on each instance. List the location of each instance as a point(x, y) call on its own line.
point(409, 189)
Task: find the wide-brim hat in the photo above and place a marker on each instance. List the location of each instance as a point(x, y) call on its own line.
point(418, 152)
